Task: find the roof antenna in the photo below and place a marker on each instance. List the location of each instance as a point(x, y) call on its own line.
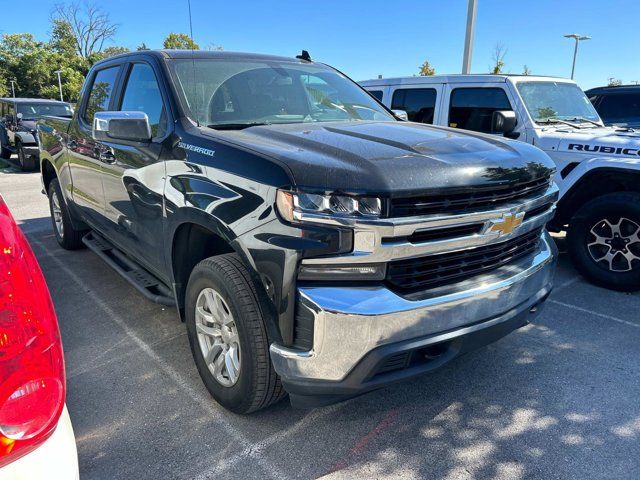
point(193, 59)
point(304, 56)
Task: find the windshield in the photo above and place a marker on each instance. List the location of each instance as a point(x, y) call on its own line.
point(32, 111)
point(547, 101)
point(238, 93)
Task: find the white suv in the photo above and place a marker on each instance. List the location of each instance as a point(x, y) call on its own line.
point(598, 167)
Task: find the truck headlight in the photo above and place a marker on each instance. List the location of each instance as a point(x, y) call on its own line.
point(292, 206)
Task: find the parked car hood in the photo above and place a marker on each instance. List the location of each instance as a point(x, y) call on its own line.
point(392, 157)
point(614, 142)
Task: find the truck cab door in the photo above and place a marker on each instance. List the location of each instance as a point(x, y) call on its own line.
point(470, 106)
point(85, 154)
point(133, 176)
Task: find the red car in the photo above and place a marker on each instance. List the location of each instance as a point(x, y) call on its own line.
point(36, 437)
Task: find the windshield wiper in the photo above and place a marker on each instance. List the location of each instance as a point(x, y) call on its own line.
point(550, 120)
point(236, 126)
point(583, 119)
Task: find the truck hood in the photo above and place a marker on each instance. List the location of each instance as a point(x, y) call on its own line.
point(392, 157)
point(600, 141)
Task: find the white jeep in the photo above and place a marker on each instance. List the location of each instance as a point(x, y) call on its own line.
point(598, 167)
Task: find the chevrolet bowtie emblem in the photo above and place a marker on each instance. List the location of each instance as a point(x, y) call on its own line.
point(507, 224)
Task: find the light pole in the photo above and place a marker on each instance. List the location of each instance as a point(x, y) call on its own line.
point(59, 83)
point(468, 39)
point(13, 89)
point(577, 38)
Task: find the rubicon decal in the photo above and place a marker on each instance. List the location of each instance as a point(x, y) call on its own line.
point(604, 149)
point(196, 149)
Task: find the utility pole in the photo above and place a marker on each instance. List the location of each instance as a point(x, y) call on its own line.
point(468, 39)
point(13, 89)
point(577, 38)
point(59, 84)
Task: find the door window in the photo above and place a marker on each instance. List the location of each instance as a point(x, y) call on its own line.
point(142, 94)
point(472, 108)
point(100, 94)
point(377, 94)
point(419, 103)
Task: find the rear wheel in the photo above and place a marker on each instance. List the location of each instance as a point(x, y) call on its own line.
point(68, 237)
point(604, 241)
point(228, 337)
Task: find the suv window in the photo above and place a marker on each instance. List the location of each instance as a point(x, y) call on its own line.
point(472, 108)
point(377, 94)
point(142, 94)
point(101, 91)
point(419, 103)
point(620, 108)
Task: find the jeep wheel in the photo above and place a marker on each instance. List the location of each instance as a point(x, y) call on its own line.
point(27, 163)
point(228, 337)
point(604, 241)
point(68, 237)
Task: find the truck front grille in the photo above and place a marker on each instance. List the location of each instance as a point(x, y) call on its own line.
point(462, 202)
point(427, 272)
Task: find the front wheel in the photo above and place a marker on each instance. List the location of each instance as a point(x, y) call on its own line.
point(604, 241)
point(27, 163)
point(228, 337)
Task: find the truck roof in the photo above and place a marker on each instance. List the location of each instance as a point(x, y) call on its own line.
point(456, 78)
point(199, 54)
point(31, 100)
point(614, 89)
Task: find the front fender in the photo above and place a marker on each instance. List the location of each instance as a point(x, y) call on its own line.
point(606, 164)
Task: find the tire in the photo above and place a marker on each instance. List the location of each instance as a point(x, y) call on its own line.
point(27, 163)
point(604, 241)
point(256, 384)
point(68, 237)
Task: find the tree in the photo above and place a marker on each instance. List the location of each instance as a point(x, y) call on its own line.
point(498, 59)
point(614, 82)
point(90, 25)
point(526, 71)
point(180, 41)
point(142, 46)
point(213, 47)
point(426, 69)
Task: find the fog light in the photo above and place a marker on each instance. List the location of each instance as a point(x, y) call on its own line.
point(375, 271)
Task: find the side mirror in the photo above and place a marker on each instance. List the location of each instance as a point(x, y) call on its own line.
point(401, 115)
point(128, 128)
point(503, 121)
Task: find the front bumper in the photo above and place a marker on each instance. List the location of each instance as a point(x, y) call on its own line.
point(360, 331)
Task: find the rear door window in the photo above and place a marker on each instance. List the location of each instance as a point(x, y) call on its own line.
point(100, 94)
point(472, 108)
point(419, 103)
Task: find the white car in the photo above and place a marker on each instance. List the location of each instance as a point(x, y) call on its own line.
point(598, 167)
point(36, 436)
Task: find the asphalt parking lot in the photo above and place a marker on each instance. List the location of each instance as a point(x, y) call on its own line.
point(557, 399)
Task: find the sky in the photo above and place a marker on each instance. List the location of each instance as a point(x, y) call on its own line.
point(365, 39)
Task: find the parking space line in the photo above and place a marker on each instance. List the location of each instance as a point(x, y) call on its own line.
point(568, 283)
point(206, 404)
point(256, 449)
point(601, 315)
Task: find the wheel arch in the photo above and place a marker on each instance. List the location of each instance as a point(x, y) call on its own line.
point(596, 182)
point(194, 239)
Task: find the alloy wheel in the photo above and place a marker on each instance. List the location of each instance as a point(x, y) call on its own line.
point(615, 246)
point(218, 337)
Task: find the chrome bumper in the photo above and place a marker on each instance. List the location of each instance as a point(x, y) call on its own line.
point(350, 322)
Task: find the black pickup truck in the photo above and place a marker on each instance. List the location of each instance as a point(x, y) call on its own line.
point(313, 243)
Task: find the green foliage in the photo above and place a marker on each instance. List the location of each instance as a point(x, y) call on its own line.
point(180, 41)
point(426, 69)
